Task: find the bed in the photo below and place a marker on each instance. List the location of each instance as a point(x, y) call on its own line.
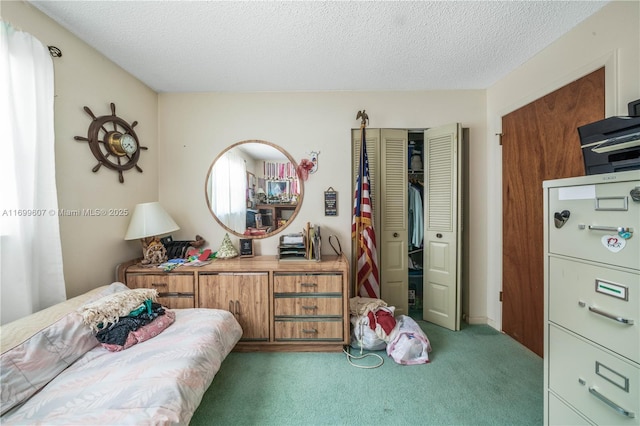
point(60, 374)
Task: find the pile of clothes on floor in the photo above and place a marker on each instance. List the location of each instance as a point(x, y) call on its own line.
point(375, 328)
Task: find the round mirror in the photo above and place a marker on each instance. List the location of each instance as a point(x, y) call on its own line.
point(252, 189)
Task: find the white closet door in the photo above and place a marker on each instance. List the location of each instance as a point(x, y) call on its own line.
point(442, 236)
point(393, 231)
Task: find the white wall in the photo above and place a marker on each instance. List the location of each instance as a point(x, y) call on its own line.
point(195, 128)
point(92, 246)
point(610, 38)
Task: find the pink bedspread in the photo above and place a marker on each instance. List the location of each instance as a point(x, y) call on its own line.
point(157, 382)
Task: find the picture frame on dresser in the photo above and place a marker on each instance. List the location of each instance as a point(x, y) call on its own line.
point(246, 247)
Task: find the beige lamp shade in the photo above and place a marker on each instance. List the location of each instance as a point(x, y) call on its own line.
point(149, 220)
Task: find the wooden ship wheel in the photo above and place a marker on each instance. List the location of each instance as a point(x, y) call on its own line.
point(113, 142)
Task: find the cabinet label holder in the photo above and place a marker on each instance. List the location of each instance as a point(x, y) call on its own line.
point(611, 289)
point(612, 376)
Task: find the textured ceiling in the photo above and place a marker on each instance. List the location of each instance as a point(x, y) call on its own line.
point(232, 46)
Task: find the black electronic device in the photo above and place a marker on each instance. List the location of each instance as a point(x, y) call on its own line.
point(175, 249)
point(634, 108)
point(611, 145)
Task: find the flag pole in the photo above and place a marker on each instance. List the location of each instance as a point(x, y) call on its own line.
point(363, 123)
point(359, 221)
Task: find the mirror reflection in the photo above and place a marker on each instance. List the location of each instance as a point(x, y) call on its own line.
point(253, 190)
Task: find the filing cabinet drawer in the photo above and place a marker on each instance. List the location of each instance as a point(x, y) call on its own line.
point(562, 415)
point(600, 304)
point(595, 213)
point(308, 306)
point(307, 283)
point(327, 330)
point(598, 384)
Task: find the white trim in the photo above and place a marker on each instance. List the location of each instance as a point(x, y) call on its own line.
point(611, 79)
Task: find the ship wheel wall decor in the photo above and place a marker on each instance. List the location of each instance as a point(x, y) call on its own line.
point(113, 142)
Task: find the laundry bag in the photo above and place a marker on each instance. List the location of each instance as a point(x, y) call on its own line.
point(408, 344)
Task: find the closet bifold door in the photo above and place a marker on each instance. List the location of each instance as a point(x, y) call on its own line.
point(387, 154)
point(443, 215)
point(392, 234)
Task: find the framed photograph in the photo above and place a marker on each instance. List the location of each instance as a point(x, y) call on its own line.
point(246, 247)
point(278, 189)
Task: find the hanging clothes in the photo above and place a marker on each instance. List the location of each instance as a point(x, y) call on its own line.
point(416, 217)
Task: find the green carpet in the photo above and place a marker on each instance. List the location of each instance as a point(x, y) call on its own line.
point(477, 376)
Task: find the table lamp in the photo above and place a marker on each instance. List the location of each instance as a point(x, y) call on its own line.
point(148, 221)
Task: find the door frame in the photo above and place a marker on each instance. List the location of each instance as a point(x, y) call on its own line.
point(494, 215)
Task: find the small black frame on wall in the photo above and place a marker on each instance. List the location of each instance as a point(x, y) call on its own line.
point(330, 202)
point(246, 247)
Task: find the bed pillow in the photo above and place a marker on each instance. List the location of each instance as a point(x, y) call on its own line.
point(38, 347)
point(109, 308)
point(18, 331)
point(28, 367)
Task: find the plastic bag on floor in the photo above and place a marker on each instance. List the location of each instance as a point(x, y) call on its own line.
point(408, 344)
point(363, 337)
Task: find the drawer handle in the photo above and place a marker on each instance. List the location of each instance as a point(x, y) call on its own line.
point(611, 316)
point(623, 231)
point(309, 307)
point(310, 331)
point(238, 308)
point(593, 391)
point(309, 284)
point(158, 284)
point(175, 294)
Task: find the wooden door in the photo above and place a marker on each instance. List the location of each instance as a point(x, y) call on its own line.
point(245, 295)
point(393, 211)
point(539, 142)
point(216, 291)
point(442, 227)
point(252, 304)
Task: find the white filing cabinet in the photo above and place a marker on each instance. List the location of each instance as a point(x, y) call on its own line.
point(592, 300)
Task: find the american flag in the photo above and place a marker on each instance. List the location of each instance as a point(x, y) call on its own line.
point(368, 283)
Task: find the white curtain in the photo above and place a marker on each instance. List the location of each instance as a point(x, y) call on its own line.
point(31, 275)
point(229, 191)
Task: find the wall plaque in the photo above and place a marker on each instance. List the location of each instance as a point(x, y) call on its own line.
point(330, 202)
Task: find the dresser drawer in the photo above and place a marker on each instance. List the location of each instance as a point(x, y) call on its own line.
point(595, 213)
point(308, 306)
point(601, 386)
point(327, 330)
point(175, 291)
point(307, 283)
point(600, 304)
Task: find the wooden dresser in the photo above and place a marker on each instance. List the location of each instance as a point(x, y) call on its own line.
point(592, 300)
point(281, 305)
